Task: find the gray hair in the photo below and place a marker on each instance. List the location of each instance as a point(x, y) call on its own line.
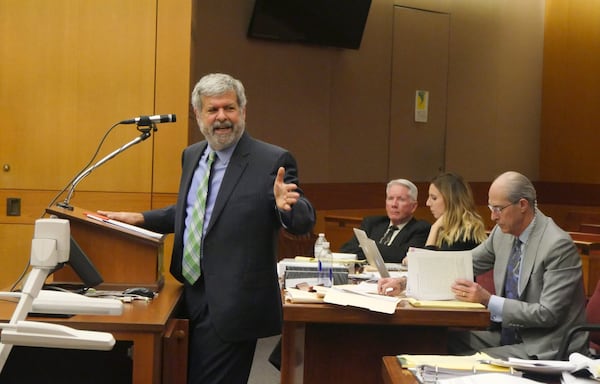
point(216, 84)
point(413, 192)
point(518, 186)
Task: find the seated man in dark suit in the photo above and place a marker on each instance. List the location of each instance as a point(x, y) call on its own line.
point(397, 231)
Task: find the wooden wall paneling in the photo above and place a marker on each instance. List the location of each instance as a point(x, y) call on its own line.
point(172, 93)
point(93, 61)
point(417, 150)
point(15, 248)
point(571, 90)
point(71, 70)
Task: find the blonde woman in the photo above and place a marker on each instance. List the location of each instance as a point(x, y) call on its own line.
point(458, 226)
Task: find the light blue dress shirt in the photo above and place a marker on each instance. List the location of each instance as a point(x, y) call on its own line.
point(219, 167)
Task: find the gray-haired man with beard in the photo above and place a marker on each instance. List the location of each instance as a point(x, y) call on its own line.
point(231, 290)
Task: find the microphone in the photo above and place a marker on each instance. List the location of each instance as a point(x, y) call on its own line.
point(148, 120)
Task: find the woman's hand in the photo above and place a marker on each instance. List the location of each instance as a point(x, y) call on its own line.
point(434, 231)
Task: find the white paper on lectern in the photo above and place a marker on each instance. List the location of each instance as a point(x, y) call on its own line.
point(432, 273)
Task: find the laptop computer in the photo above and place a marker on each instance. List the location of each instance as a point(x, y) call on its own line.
point(371, 251)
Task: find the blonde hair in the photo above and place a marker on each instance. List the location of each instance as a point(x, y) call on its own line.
point(461, 221)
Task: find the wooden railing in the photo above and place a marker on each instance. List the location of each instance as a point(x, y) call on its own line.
point(338, 229)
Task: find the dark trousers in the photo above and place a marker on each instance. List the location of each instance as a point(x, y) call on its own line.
point(275, 356)
point(212, 360)
point(463, 342)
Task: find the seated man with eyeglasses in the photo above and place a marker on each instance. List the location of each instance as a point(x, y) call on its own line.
point(537, 274)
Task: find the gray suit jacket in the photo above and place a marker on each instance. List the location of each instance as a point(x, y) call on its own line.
point(552, 298)
point(239, 248)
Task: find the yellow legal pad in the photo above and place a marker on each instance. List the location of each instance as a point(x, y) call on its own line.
point(476, 363)
point(443, 304)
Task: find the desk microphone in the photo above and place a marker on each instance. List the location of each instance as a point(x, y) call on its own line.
point(147, 120)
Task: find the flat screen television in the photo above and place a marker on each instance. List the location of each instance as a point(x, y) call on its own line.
point(335, 23)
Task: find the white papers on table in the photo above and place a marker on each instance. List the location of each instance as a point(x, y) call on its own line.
point(295, 295)
point(362, 296)
point(432, 273)
point(577, 363)
point(435, 368)
point(452, 304)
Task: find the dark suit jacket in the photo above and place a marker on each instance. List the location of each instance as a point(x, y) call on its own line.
point(413, 234)
point(239, 249)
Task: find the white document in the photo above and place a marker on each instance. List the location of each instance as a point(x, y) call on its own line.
point(432, 273)
point(359, 296)
point(577, 363)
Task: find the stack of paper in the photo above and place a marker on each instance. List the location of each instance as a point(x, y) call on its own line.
point(432, 273)
point(432, 368)
point(302, 270)
point(362, 296)
point(578, 363)
point(444, 304)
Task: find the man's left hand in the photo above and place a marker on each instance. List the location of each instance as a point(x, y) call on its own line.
point(285, 194)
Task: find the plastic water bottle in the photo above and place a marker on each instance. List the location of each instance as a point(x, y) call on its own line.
point(326, 266)
point(319, 245)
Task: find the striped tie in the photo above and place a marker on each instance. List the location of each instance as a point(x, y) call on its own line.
point(388, 235)
point(191, 252)
point(511, 289)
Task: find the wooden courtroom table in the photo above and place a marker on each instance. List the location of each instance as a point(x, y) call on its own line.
point(392, 372)
point(324, 343)
point(159, 340)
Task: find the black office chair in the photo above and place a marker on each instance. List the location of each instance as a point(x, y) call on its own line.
point(592, 325)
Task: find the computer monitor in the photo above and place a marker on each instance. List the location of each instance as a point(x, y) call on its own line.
point(83, 266)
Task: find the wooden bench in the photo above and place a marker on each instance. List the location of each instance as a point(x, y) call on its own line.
point(575, 219)
point(588, 245)
point(338, 229)
point(589, 228)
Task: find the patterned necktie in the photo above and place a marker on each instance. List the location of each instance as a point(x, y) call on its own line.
point(192, 250)
point(511, 288)
point(388, 235)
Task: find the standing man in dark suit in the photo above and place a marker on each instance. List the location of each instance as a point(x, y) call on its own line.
point(253, 192)
point(397, 231)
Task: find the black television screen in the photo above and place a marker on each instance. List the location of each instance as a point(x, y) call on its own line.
point(336, 23)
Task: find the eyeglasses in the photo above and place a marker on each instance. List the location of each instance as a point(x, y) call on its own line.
point(496, 209)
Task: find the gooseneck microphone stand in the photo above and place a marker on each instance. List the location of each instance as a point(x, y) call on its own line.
point(145, 134)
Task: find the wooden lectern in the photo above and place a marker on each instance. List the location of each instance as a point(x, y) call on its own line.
point(125, 258)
